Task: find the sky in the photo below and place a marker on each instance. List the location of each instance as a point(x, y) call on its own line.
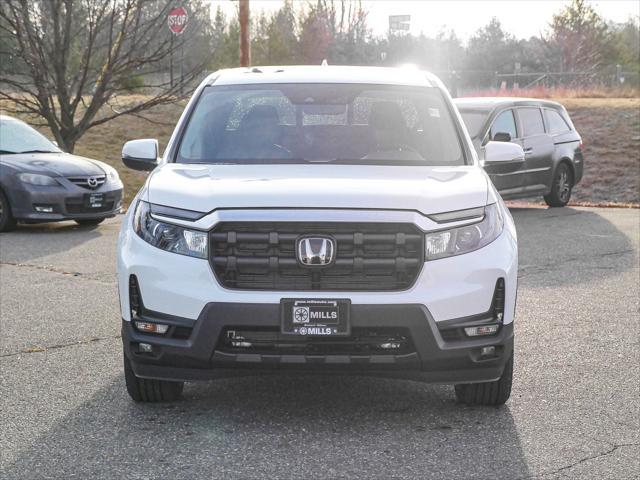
point(522, 18)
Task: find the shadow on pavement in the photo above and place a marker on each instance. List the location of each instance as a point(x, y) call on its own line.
point(561, 246)
point(29, 242)
point(279, 427)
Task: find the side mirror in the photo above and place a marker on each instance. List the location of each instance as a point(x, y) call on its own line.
point(501, 157)
point(141, 154)
point(502, 137)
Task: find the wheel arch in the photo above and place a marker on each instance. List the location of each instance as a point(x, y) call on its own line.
point(567, 161)
point(3, 192)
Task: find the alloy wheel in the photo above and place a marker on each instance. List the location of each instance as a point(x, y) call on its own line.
point(563, 186)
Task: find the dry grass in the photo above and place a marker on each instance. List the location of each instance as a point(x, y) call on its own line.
point(105, 142)
point(610, 128)
point(561, 92)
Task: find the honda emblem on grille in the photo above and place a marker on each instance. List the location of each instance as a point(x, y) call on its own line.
point(319, 251)
point(92, 182)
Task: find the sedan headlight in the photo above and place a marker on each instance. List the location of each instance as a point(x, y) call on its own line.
point(456, 241)
point(37, 179)
point(112, 173)
point(165, 236)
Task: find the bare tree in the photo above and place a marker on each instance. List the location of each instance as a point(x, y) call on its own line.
point(579, 38)
point(78, 58)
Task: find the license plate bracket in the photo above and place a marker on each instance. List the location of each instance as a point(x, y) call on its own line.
point(315, 317)
point(94, 200)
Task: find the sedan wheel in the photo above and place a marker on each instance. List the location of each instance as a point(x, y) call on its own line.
point(561, 188)
point(7, 222)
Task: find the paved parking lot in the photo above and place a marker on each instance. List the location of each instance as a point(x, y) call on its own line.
point(574, 413)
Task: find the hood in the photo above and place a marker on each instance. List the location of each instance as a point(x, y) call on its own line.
point(204, 188)
point(54, 164)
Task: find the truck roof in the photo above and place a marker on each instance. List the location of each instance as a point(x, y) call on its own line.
point(323, 74)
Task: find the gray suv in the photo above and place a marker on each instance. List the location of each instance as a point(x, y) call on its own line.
point(553, 162)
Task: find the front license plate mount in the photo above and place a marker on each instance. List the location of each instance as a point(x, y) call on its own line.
point(315, 317)
point(94, 200)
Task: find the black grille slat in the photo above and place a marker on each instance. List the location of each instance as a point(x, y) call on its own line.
point(369, 256)
point(362, 341)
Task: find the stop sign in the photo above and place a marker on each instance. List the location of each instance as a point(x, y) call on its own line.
point(177, 19)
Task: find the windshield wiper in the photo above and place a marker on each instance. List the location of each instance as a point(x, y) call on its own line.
point(37, 151)
point(7, 152)
point(379, 161)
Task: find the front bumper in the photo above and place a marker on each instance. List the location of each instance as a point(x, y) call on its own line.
point(67, 202)
point(447, 292)
point(434, 357)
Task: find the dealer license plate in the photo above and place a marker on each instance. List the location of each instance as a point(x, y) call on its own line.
point(94, 200)
point(319, 317)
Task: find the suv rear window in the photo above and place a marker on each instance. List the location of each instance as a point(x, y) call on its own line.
point(556, 123)
point(337, 123)
point(531, 119)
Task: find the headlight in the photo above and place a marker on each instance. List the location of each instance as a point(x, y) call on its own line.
point(457, 241)
point(171, 238)
point(112, 173)
point(36, 179)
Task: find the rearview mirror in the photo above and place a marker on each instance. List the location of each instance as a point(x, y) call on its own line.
point(502, 137)
point(141, 154)
point(502, 157)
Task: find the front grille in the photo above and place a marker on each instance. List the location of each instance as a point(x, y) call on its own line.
point(362, 341)
point(90, 182)
point(369, 256)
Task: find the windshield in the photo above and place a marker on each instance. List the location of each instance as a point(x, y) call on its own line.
point(338, 123)
point(474, 121)
point(18, 137)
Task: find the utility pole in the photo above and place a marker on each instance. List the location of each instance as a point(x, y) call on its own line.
point(245, 41)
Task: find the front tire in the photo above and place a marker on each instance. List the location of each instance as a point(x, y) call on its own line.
point(488, 393)
point(561, 187)
point(146, 390)
point(7, 222)
point(90, 222)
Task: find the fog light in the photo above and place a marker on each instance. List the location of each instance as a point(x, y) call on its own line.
point(481, 330)
point(152, 327)
point(488, 351)
point(43, 208)
point(145, 348)
point(237, 340)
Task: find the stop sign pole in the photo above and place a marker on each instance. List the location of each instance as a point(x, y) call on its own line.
point(177, 22)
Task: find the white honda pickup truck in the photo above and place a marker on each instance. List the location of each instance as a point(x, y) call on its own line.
point(319, 219)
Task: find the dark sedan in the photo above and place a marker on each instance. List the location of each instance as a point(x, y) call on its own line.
point(553, 148)
point(41, 183)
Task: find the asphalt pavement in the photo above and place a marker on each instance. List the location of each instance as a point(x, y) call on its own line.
point(574, 411)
